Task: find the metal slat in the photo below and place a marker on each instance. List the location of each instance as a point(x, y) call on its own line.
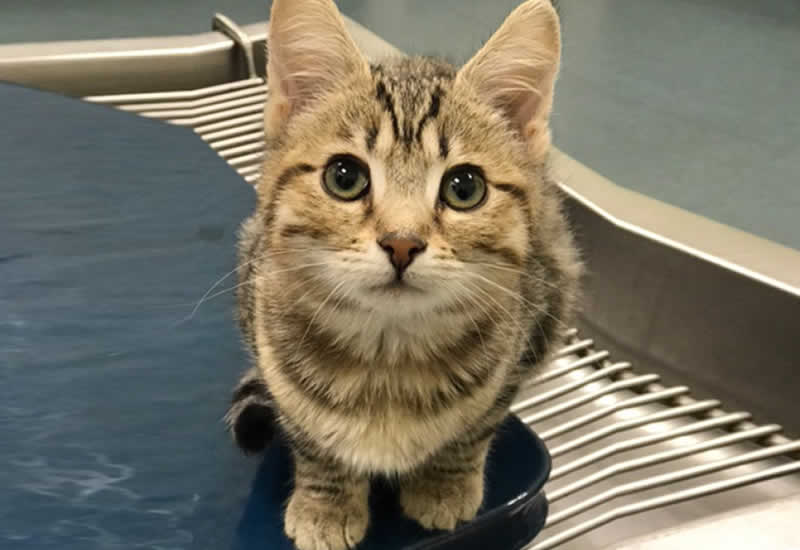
point(666, 500)
point(195, 104)
point(673, 477)
point(254, 169)
point(652, 397)
point(232, 152)
point(667, 414)
point(631, 383)
point(602, 374)
point(221, 109)
point(660, 458)
point(238, 139)
point(254, 109)
point(552, 374)
point(175, 95)
point(574, 348)
point(232, 122)
point(213, 138)
point(245, 160)
point(639, 442)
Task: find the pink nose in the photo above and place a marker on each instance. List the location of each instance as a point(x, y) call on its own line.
point(402, 249)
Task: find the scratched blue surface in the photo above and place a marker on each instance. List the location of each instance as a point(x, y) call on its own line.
point(111, 228)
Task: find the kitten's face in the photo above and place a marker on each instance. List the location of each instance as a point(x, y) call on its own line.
point(410, 187)
point(404, 195)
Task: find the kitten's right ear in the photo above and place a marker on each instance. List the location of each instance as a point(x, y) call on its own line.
point(516, 71)
point(310, 53)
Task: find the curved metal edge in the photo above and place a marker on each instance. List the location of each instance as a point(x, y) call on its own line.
point(229, 28)
point(151, 64)
point(743, 253)
point(100, 67)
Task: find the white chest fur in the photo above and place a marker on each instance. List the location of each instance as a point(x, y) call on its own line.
point(391, 439)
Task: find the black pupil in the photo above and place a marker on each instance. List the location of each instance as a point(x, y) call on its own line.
point(346, 175)
point(463, 185)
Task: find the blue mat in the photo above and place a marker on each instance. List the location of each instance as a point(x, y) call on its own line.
point(112, 227)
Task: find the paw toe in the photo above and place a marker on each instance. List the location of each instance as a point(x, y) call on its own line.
point(316, 525)
point(441, 507)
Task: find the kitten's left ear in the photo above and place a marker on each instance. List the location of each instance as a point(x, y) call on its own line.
point(516, 71)
point(310, 54)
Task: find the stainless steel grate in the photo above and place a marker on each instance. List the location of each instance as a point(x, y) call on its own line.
point(228, 117)
point(622, 444)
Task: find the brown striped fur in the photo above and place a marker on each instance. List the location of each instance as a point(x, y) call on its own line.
point(363, 377)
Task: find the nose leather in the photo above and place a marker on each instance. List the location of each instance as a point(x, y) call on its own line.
point(402, 249)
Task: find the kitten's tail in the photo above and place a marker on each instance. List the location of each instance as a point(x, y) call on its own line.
point(251, 416)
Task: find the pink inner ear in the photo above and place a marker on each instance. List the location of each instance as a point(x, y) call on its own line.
point(523, 110)
point(276, 71)
point(310, 52)
point(516, 69)
point(532, 105)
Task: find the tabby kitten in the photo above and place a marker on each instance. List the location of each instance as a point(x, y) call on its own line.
point(406, 252)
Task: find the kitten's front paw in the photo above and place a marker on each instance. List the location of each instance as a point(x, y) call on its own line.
point(441, 504)
point(317, 523)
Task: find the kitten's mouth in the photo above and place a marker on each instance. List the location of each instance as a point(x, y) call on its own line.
point(396, 286)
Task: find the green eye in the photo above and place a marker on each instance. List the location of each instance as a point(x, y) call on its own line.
point(346, 178)
point(463, 188)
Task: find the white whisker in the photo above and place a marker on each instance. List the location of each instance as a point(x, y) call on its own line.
point(208, 297)
point(472, 319)
point(519, 297)
point(511, 269)
point(316, 312)
point(508, 314)
point(262, 257)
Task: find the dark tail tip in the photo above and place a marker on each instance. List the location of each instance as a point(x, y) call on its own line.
point(254, 428)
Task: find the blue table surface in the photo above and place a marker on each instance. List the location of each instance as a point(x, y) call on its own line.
point(111, 395)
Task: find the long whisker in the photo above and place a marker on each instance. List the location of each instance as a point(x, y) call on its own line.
point(338, 303)
point(297, 300)
point(508, 314)
point(517, 296)
point(485, 306)
point(316, 312)
point(219, 282)
point(208, 297)
point(261, 277)
point(268, 254)
point(472, 319)
point(509, 268)
point(532, 306)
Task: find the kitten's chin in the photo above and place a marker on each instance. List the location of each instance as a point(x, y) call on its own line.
point(396, 287)
point(400, 297)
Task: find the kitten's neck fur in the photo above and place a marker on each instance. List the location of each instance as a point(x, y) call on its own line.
point(383, 337)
